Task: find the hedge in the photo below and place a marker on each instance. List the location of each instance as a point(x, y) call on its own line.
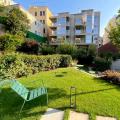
point(18, 65)
point(101, 64)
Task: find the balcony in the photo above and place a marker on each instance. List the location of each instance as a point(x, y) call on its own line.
point(53, 18)
point(79, 25)
point(79, 33)
point(80, 41)
point(53, 34)
point(54, 26)
point(56, 42)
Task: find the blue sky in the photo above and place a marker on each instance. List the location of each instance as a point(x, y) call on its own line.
point(108, 8)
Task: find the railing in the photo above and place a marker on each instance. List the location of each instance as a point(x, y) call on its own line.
point(79, 41)
point(79, 32)
point(54, 33)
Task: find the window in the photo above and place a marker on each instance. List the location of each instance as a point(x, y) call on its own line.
point(35, 13)
point(43, 21)
point(40, 13)
point(44, 30)
point(89, 24)
point(35, 23)
point(43, 13)
point(61, 30)
point(78, 21)
point(89, 39)
point(62, 21)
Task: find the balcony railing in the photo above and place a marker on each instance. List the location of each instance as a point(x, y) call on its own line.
point(80, 32)
point(53, 26)
point(79, 41)
point(79, 25)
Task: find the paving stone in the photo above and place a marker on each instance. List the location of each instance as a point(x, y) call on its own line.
point(53, 114)
point(78, 116)
point(105, 118)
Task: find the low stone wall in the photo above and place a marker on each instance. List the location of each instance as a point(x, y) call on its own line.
point(116, 65)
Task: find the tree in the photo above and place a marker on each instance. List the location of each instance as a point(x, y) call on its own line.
point(17, 22)
point(10, 42)
point(114, 33)
point(92, 50)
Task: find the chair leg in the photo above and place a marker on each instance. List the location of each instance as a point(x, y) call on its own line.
point(22, 107)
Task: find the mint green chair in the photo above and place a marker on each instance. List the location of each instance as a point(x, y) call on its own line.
point(25, 94)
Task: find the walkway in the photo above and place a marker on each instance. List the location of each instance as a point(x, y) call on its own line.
point(105, 118)
point(78, 116)
point(53, 114)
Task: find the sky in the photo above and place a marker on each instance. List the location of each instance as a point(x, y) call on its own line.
point(108, 8)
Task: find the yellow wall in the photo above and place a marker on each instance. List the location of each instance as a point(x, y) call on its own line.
point(48, 14)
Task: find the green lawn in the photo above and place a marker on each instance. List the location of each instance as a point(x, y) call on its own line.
point(95, 97)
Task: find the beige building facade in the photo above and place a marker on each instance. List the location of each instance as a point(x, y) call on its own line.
point(35, 25)
point(42, 13)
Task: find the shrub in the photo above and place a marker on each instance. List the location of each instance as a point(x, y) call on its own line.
point(92, 50)
point(66, 49)
point(46, 50)
point(81, 55)
point(30, 47)
point(10, 42)
point(17, 65)
point(111, 76)
point(101, 64)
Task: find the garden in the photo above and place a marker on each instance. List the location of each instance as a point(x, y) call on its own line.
point(33, 63)
point(94, 96)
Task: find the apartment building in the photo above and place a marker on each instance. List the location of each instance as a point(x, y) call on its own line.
point(78, 29)
point(35, 25)
point(42, 13)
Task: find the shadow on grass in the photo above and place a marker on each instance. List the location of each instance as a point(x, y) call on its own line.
point(95, 91)
point(10, 103)
point(60, 75)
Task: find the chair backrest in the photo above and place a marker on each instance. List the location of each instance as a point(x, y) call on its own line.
point(36, 93)
point(20, 89)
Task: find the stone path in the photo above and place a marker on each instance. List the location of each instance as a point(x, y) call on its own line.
point(78, 116)
point(53, 114)
point(105, 118)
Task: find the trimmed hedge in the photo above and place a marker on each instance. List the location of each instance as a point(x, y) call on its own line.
point(18, 65)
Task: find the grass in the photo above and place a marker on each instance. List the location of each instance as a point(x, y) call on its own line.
point(94, 96)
